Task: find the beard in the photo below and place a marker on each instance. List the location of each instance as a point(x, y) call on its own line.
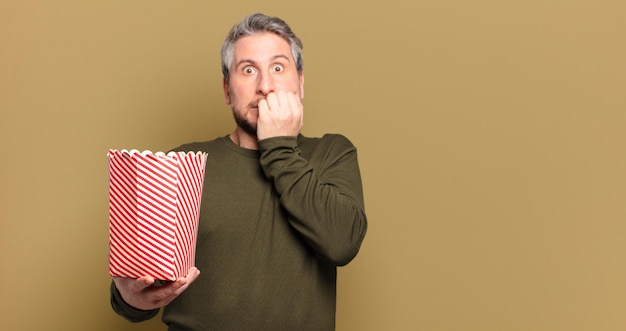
point(244, 124)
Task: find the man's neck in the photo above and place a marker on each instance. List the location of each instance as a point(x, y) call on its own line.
point(243, 139)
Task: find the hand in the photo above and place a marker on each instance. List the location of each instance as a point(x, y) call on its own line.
point(280, 114)
point(140, 293)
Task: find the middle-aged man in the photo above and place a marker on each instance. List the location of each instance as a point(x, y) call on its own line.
point(279, 211)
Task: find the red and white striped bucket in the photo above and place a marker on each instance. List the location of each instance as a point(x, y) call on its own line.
point(154, 206)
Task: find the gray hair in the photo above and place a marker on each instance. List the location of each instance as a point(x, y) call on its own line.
point(258, 23)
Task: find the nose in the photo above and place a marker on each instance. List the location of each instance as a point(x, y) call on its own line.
point(265, 84)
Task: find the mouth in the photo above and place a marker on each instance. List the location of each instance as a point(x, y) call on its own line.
point(253, 109)
point(254, 104)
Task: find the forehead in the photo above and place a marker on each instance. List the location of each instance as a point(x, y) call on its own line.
point(262, 46)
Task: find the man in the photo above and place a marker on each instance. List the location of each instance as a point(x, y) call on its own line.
point(279, 211)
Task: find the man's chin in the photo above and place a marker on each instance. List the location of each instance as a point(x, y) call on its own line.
point(248, 128)
point(246, 125)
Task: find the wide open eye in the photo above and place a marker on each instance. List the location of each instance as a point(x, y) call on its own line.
point(278, 68)
point(249, 70)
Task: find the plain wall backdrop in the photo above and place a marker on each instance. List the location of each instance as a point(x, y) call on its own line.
point(490, 137)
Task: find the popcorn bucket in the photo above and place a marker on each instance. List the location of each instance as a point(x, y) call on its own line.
point(154, 206)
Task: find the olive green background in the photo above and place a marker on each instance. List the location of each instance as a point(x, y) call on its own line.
point(490, 137)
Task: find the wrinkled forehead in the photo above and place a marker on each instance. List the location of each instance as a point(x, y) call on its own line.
point(261, 47)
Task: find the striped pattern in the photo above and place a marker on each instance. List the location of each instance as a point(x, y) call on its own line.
point(154, 206)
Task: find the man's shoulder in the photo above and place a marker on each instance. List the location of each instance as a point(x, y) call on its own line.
point(200, 146)
point(328, 140)
point(330, 145)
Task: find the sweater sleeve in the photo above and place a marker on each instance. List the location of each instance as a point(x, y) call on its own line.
point(127, 311)
point(321, 193)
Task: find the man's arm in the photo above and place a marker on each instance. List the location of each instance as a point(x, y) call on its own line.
point(323, 196)
point(138, 300)
point(127, 311)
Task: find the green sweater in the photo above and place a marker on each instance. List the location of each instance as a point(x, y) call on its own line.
point(274, 225)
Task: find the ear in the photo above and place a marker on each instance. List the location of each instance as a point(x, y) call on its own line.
point(226, 92)
point(301, 85)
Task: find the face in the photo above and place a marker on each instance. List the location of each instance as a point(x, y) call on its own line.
point(261, 64)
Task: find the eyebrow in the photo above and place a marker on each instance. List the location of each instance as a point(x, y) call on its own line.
point(278, 56)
